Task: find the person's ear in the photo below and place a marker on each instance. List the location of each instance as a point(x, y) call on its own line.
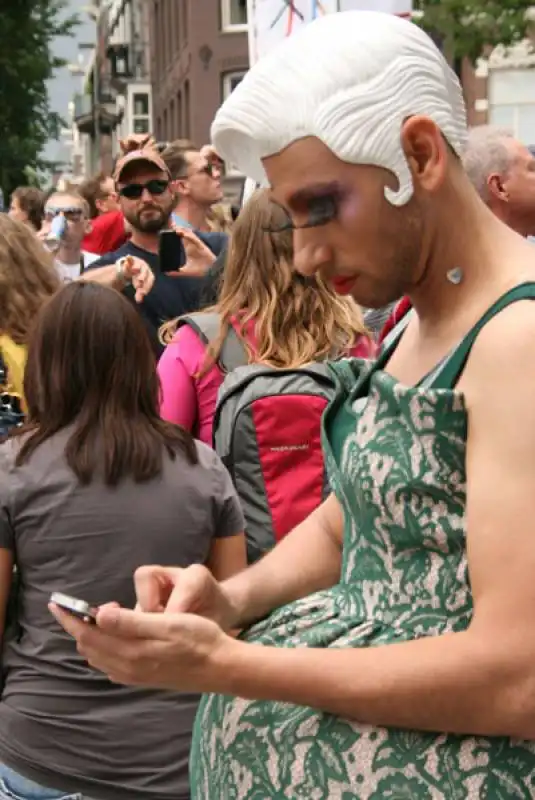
point(496, 187)
point(426, 152)
point(180, 187)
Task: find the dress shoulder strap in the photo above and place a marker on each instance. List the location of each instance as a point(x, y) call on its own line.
point(449, 373)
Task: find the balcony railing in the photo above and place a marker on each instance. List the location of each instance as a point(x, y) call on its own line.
point(85, 115)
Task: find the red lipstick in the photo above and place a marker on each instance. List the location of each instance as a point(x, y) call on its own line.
point(343, 285)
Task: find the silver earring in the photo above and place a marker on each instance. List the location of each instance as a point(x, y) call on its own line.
point(455, 276)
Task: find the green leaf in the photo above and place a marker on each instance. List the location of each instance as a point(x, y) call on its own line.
point(467, 27)
point(27, 62)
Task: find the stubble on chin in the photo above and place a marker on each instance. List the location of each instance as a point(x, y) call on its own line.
point(153, 225)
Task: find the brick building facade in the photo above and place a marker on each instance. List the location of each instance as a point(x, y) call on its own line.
point(199, 52)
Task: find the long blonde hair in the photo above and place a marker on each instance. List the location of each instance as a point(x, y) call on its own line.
point(27, 278)
point(297, 320)
point(220, 219)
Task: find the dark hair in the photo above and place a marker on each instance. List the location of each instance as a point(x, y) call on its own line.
point(91, 365)
point(91, 191)
point(32, 202)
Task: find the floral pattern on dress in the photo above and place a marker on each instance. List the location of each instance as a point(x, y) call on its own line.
point(396, 461)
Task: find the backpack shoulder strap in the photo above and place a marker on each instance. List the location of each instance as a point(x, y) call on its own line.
point(206, 326)
point(452, 370)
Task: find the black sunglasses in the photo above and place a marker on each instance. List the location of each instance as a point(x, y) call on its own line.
point(133, 191)
point(208, 169)
point(70, 214)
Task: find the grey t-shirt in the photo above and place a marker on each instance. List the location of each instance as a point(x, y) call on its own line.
point(63, 724)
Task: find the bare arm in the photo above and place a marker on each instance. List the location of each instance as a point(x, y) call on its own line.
point(227, 557)
point(481, 681)
point(128, 270)
point(104, 276)
point(306, 561)
point(6, 576)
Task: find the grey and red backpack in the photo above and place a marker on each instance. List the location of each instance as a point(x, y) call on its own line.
point(267, 432)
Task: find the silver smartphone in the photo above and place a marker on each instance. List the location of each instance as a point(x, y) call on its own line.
point(78, 608)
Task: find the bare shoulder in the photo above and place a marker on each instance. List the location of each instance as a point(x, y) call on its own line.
point(503, 355)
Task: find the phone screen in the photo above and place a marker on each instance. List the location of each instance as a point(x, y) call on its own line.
point(172, 254)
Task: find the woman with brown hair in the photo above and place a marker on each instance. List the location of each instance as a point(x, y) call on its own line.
point(27, 279)
point(283, 320)
point(97, 486)
point(277, 327)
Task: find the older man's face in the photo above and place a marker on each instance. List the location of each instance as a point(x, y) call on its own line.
point(519, 183)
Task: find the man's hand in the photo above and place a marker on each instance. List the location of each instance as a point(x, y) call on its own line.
point(137, 272)
point(199, 257)
point(181, 652)
point(187, 591)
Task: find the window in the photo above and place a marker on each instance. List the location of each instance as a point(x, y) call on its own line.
point(179, 123)
point(171, 31)
point(179, 22)
point(141, 126)
point(187, 111)
point(172, 121)
point(185, 21)
point(234, 15)
point(141, 105)
point(141, 112)
point(230, 81)
point(157, 56)
point(512, 102)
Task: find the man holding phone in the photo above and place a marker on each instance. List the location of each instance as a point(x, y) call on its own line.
point(147, 200)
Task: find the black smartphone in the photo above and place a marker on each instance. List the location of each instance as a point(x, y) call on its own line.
point(78, 608)
point(172, 254)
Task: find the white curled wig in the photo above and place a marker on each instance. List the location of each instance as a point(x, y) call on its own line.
point(350, 79)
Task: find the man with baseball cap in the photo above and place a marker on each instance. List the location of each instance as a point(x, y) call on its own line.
point(147, 200)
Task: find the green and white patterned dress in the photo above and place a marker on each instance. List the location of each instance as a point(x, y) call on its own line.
point(396, 457)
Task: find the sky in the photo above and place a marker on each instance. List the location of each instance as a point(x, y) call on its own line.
point(64, 85)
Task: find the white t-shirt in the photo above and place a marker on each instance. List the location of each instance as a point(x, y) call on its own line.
point(69, 272)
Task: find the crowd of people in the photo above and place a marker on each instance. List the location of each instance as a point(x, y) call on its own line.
point(283, 452)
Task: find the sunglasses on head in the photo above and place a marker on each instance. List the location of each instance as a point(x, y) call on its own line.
point(72, 214)
point(208, 169)
point(133, 191)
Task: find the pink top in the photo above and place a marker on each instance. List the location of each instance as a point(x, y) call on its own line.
point(190, 401)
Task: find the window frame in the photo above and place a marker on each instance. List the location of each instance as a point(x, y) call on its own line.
point(500, 98)
point(145, 118)
point(227, 78)
point(227, 26)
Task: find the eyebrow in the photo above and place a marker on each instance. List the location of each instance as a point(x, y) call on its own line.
point(312, 191)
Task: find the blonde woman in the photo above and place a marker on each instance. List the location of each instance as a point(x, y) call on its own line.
point(220, 218)
point(27, 279)
point(284, 320)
